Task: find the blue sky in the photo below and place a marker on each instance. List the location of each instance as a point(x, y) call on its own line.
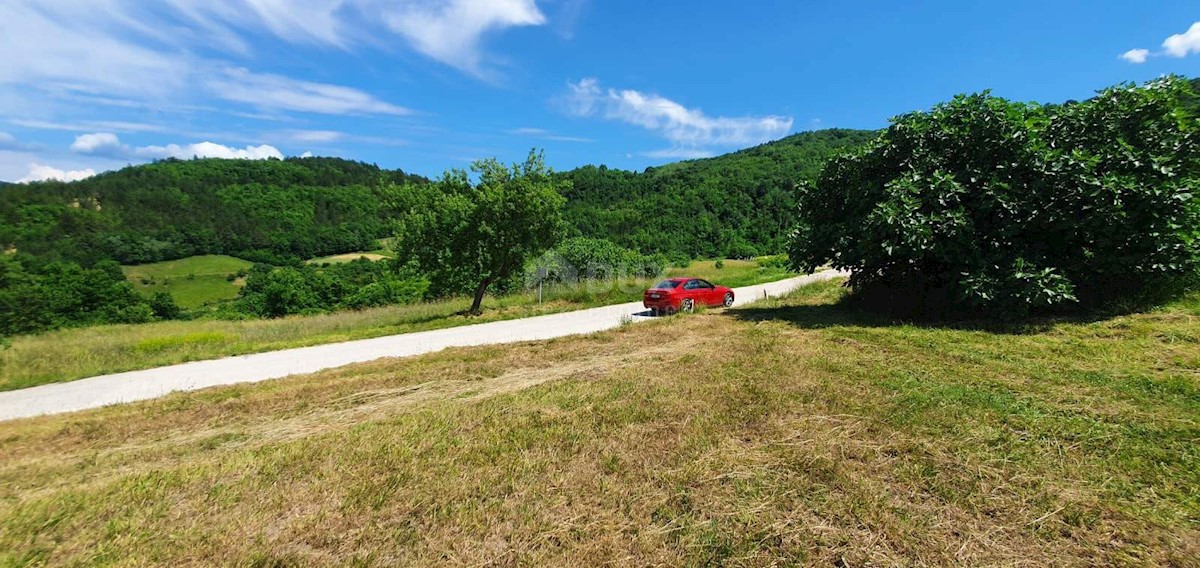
point(426, 85)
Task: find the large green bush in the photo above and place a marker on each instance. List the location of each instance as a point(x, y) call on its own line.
point(1005, 207)
point(36, 295)
point(276, 292)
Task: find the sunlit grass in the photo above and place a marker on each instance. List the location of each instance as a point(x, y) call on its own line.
point(71, 354)
point(193, 282)
point(797, 431)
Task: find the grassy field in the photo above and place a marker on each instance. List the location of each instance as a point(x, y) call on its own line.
point(71, 354)
point(194, 281)
point(794, 432)
point(340, 258)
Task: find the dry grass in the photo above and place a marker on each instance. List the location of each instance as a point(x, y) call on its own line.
point(796, 433)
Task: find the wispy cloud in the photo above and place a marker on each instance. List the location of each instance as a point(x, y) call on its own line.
point(117, 52)
point(547, 135)
point(113, 125)
point(283, 93)
point(1178, 45)
point(689, 129)
point(9, 143)
point(679, 154)
point(451, 31)
point(314, 135)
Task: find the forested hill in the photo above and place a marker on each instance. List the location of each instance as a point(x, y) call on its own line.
point(273, 210)
point(282, 211)
point(738, 204)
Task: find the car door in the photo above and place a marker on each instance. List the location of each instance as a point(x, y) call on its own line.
point(693, 292)
point(708, 292)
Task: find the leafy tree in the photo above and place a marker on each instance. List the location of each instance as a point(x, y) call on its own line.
point(1006, 207)
point(164, 307)
point(485, 232)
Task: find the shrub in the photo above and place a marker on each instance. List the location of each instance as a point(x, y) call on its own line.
point(163, 305)
point(387, 292)
point(719, 264)
point(580, 258)
point(1005, 207)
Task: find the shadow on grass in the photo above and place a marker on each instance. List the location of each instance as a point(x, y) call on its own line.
point(848, 311)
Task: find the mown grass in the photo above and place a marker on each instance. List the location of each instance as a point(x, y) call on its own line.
point(378, 254)
point(799, 432)
point(194, 281)
point(71, 354)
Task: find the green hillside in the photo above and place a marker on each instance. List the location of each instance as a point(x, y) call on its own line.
point(278, 211)
point(283, 211)
point(739, 204)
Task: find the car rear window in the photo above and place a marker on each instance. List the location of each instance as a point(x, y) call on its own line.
point(666, 285)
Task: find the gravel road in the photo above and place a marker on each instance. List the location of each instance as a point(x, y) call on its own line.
point(132, 386)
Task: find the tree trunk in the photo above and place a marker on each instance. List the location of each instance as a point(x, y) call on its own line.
point(477, 305)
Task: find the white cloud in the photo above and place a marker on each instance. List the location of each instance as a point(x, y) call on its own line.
point(1184, 44)
point(107, 144)
point(685, 127)
point(99, 144)
point(284, 93)
point(451, 31)
point(40, 172)
point(1178, 45)
point(209, 150)
point(1136, 55)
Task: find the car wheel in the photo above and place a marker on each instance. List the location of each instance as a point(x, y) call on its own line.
point(688, 306)
point(728, 299)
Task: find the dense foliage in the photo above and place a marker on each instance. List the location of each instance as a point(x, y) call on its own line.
point(738, 205)
point(277, 211)
point(582, 258)
point(36, 295)
point(987, 204)
point(484, 233)
point(275, 292)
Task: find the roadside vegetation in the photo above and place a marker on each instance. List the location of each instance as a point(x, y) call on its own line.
point(800, 431)
point(74, 353)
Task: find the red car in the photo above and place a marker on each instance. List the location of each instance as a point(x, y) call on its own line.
point(684, 294)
